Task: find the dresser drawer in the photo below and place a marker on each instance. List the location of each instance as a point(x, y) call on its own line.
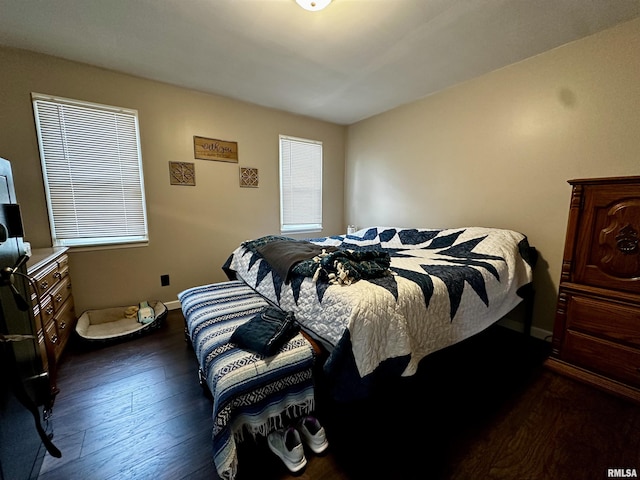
point(615, 361)
point(615, 321)
point(63, 263)
point(52, 339)
point(45, 310)
point(65, 320)
point(608, 238)
point(46, 278)
point(60, 292)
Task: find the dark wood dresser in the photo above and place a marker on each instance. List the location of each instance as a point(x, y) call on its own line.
point(52, 302)
point(596, 336)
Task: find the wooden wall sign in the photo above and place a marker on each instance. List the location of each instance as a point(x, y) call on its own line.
point(212, 149)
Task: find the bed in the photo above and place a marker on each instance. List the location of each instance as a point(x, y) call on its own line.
point(440, 287)
point(371, 306)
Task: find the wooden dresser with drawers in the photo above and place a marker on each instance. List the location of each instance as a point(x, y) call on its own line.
point(52, 301)
point(596, 336)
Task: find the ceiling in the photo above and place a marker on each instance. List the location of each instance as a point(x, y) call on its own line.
point(355, 59)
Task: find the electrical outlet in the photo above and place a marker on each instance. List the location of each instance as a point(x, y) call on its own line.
point(164, 280)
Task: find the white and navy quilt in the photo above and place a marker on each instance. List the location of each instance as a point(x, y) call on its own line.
point(442, 286)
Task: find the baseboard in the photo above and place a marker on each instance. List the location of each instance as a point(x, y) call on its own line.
point(173, 305)
point(536, 332)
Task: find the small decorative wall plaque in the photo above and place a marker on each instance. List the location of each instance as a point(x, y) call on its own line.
point(249, 177)
point(182, 173)
point(211, 149)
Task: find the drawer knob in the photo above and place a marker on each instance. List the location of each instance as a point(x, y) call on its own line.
point(44, 285)
point(627, 240)
point(58, 298)
point(57, 275)
point(54, 339)
point(63, 325)
point(49, 311)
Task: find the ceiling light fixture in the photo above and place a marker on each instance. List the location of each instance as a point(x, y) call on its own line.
point(313, 5)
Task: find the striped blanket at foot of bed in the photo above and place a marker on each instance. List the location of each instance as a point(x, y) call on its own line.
point(251, 393)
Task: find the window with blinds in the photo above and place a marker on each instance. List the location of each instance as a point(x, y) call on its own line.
point(300, 185)
point(92, 170)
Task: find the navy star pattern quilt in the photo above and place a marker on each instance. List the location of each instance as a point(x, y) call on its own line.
point(442, 286)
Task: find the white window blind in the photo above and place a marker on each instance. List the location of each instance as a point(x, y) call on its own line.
point(92, 170)
point(300, 185)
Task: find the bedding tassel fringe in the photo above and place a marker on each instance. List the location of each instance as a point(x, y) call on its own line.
point(274, 422)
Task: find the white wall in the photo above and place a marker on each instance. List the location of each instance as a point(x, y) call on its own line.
point(498, 150)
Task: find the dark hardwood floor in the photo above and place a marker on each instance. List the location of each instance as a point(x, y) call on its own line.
point(484, 409)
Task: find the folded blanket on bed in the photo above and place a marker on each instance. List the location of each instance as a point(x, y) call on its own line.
point(284, 253)
point(288, 257)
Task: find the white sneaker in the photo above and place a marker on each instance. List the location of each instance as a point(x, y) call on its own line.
point(313, 434)
point(287, 446)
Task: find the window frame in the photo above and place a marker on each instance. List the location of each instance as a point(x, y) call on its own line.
point(141, 237)
point(300, 227)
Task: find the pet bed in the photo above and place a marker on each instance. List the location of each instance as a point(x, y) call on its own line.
point(111, 324)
